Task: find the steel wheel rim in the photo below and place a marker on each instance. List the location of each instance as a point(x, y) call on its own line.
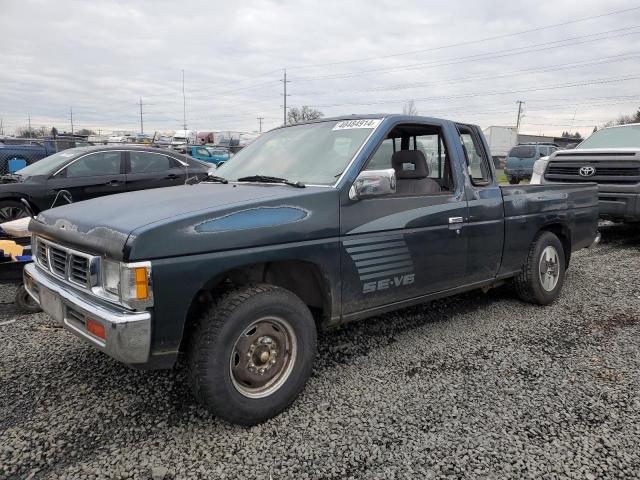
point(549, 268)
point(12, 213)
point(263, 357)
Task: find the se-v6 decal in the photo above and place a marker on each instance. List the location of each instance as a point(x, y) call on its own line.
point(382, 262)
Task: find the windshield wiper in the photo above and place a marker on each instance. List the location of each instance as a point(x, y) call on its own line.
point(215, 178)
point(268, 179)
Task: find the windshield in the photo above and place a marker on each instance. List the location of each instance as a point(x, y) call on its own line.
point(523, 151)
point(314, 153)
point(51, 163)
point(616, 137)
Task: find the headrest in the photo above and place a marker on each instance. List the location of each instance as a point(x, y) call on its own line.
point(409, 164)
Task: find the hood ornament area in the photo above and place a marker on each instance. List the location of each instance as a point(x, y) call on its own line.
point(587, 171)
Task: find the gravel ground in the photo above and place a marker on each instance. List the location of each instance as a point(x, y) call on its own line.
point(476, 386)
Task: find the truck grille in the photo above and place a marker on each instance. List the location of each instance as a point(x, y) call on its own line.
point(76, 267)
point(606, 171)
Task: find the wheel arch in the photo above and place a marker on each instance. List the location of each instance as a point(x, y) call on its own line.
point(301, 277)
point(563, 233)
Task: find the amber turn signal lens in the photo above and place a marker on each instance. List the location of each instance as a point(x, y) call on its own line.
point(96, 329)
point(142, 287)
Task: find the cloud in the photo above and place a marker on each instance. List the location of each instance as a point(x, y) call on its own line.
point(101, 57)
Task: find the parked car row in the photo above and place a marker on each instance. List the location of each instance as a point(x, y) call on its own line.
point(94, 171)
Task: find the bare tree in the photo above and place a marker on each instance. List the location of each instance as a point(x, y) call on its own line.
point(85, 131)
point(303, 114)
point(35, 132)
point(624, 119)
point(409, 108)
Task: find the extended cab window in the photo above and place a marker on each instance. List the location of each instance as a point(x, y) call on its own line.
point(419, 156)
point(95, 164)
point(146, 162)
point(477, 162)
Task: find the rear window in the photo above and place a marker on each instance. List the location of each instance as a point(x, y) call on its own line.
point(523, 151)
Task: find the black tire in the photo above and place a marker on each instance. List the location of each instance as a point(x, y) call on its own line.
point(214, 355)
point(25, 302)
point(12, 210)
point(532, 284)
point(514, 181)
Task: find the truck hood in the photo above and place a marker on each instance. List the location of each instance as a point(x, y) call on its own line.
point(192, 219)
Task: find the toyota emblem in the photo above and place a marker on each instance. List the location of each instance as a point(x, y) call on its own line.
point(586, 171)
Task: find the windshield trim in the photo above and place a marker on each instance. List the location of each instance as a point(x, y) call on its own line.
point(355, 155)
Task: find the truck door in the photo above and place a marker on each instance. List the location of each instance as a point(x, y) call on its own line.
point(412, 243)
point(485, 216)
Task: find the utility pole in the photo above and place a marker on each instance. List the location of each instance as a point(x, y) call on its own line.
point(71, 117)
point(520, 103)
point(259, 120)
point(184, 104)
point(29, 116)
point(284, 82)
point(1, 127)
point(141, 122)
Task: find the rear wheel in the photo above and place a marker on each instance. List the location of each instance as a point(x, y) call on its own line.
point(251, 354)
point(12, 210)
point(542, 277)
point(514, 181)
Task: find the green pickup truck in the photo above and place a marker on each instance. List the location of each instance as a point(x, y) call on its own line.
point(308, 227)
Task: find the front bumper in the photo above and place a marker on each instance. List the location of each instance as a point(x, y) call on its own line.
point(619, 206)
point(518, 172)
point(127, 333)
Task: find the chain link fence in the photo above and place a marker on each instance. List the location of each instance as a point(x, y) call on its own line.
point(31, 150)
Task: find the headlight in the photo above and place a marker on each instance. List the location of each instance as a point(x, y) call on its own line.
point(540, 165)
point(129, 282)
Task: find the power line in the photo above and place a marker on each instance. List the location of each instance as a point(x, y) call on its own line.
point(480, 56)
point(468, 42)
point(475, 78)
point(478, 94)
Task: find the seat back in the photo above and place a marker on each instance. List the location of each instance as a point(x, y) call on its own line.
point(412, 173)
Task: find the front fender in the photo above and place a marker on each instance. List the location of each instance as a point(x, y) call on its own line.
point(177, 280)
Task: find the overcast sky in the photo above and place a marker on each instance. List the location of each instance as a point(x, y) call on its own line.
point(342, 57)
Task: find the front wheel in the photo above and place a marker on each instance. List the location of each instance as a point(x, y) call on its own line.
point(12, 210)
point(542, 277)
point(24, 301)
point(251, 354)
point(514, 181)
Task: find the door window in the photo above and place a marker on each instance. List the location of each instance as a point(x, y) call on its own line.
point(147, 162)
point(203, 152)
point(477, 163)
point(95, 164)
point(426, 139)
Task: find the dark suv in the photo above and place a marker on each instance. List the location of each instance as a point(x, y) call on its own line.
point(520, 160)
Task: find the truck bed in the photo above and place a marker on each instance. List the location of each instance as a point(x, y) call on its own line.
point(527, 208)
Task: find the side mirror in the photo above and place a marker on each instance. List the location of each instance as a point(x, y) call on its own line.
point(372, 183)
point(219, 164)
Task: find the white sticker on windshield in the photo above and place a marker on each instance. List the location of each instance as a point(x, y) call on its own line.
point(363, 123)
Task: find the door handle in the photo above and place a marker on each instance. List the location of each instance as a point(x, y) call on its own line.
point(172, 176)
point(113, 183)
point(455, 223)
